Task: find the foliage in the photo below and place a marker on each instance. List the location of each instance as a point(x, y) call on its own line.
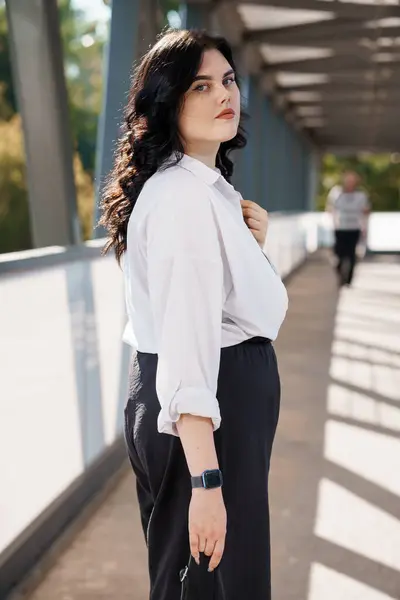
point(14, 211)
point(167, 6)
point(380, 175)
point(8, 105)
point(15, 233)
point(83, 48)
point(85, 195)
point(83, 43)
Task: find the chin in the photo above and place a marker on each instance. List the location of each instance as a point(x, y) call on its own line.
point(228, 134)
point(227, 137)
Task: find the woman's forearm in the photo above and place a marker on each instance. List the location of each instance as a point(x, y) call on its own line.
point(197, 438)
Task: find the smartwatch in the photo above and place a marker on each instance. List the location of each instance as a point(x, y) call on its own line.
point(208, 480)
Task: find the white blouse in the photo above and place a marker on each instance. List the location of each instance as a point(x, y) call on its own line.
point(196, 281)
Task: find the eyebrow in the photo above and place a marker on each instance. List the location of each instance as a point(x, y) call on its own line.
point(208, 77)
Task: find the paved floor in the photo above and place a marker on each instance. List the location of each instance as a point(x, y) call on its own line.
point(335, 480)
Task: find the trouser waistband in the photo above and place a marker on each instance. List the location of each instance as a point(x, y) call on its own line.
point(259, 340)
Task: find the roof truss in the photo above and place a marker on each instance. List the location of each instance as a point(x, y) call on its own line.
point(345, 10)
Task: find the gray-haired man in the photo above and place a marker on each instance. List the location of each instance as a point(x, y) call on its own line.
point(350, 207)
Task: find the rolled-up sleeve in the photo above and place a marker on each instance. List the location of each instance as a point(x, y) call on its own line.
point(185, 279)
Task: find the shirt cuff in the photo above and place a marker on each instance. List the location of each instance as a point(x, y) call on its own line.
point(199, 402)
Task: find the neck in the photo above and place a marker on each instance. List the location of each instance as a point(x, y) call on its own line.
point(205, 153)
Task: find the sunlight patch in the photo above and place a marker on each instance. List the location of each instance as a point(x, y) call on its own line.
point(350, 522)
point(327, 584)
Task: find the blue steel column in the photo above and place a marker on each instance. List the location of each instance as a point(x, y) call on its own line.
point(304, 158)
point(195, 16)
point(295, 191)
point(267, 155)
point(274, 200)
point(257, 143)
point(247, 154)
point(309, 161)
point(260, 159)
point(283, 164)
point(305, 150)
point(280, 153)
point(302, 163)
point(297, 167)
point(313, 171)
point(299, 174)
point(120, 54)
point(292, 159)
point(252, 166)
point(290, 166)
point(239, 157)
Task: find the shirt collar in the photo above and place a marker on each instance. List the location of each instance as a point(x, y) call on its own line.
point(199, 169)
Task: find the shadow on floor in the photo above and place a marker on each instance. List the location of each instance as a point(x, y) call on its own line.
point(335, 480)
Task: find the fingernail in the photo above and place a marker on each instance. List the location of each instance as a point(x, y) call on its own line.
point(210, 570)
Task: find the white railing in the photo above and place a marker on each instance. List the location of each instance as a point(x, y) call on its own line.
point(63, 368)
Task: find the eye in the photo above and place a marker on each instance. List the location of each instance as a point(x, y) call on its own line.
point(229, 81)
point(201, 88)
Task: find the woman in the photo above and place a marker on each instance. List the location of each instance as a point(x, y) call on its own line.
point(203, 304)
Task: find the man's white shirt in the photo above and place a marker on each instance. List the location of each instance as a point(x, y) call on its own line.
point(348, 208)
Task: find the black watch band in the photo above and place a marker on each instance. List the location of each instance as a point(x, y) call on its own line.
point(208, 480)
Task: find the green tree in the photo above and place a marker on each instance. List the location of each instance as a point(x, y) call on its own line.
point(167, 6)
point(83, 58)
point(15, 231)
point(380, 174)
point(8, 105)
point(83, 43)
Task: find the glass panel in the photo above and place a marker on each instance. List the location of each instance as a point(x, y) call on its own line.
point(84, 30)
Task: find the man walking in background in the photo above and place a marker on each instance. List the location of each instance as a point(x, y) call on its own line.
point(349, 207)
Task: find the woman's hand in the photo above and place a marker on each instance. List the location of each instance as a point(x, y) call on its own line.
point(207, 525)
point(256, 219)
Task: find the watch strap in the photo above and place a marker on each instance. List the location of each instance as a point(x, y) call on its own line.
point(197, 482)
point(200, 481)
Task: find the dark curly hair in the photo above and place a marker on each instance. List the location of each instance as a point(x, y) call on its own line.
point(150, 128)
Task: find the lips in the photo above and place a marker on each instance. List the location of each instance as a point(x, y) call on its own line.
point(228, 113)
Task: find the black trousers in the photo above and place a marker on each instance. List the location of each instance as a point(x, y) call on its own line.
point(249, 398)
point(345, 249)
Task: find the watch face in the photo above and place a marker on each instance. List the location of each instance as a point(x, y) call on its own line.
point(212, 479)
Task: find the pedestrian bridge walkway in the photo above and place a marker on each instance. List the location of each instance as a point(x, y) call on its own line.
point(335, 480)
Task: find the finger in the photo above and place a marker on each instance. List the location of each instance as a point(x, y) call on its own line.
point(252, 206)
point(194, 547)
point(251, 212)
point(254, 224)
point(248, 203)
point(210, 546)
point(259, 238)
point(217, 554)
point(255, 208)
point(202, 543)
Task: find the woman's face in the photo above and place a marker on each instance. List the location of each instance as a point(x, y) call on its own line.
point(211, 109)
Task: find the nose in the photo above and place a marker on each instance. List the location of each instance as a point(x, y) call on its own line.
point(223, 95)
